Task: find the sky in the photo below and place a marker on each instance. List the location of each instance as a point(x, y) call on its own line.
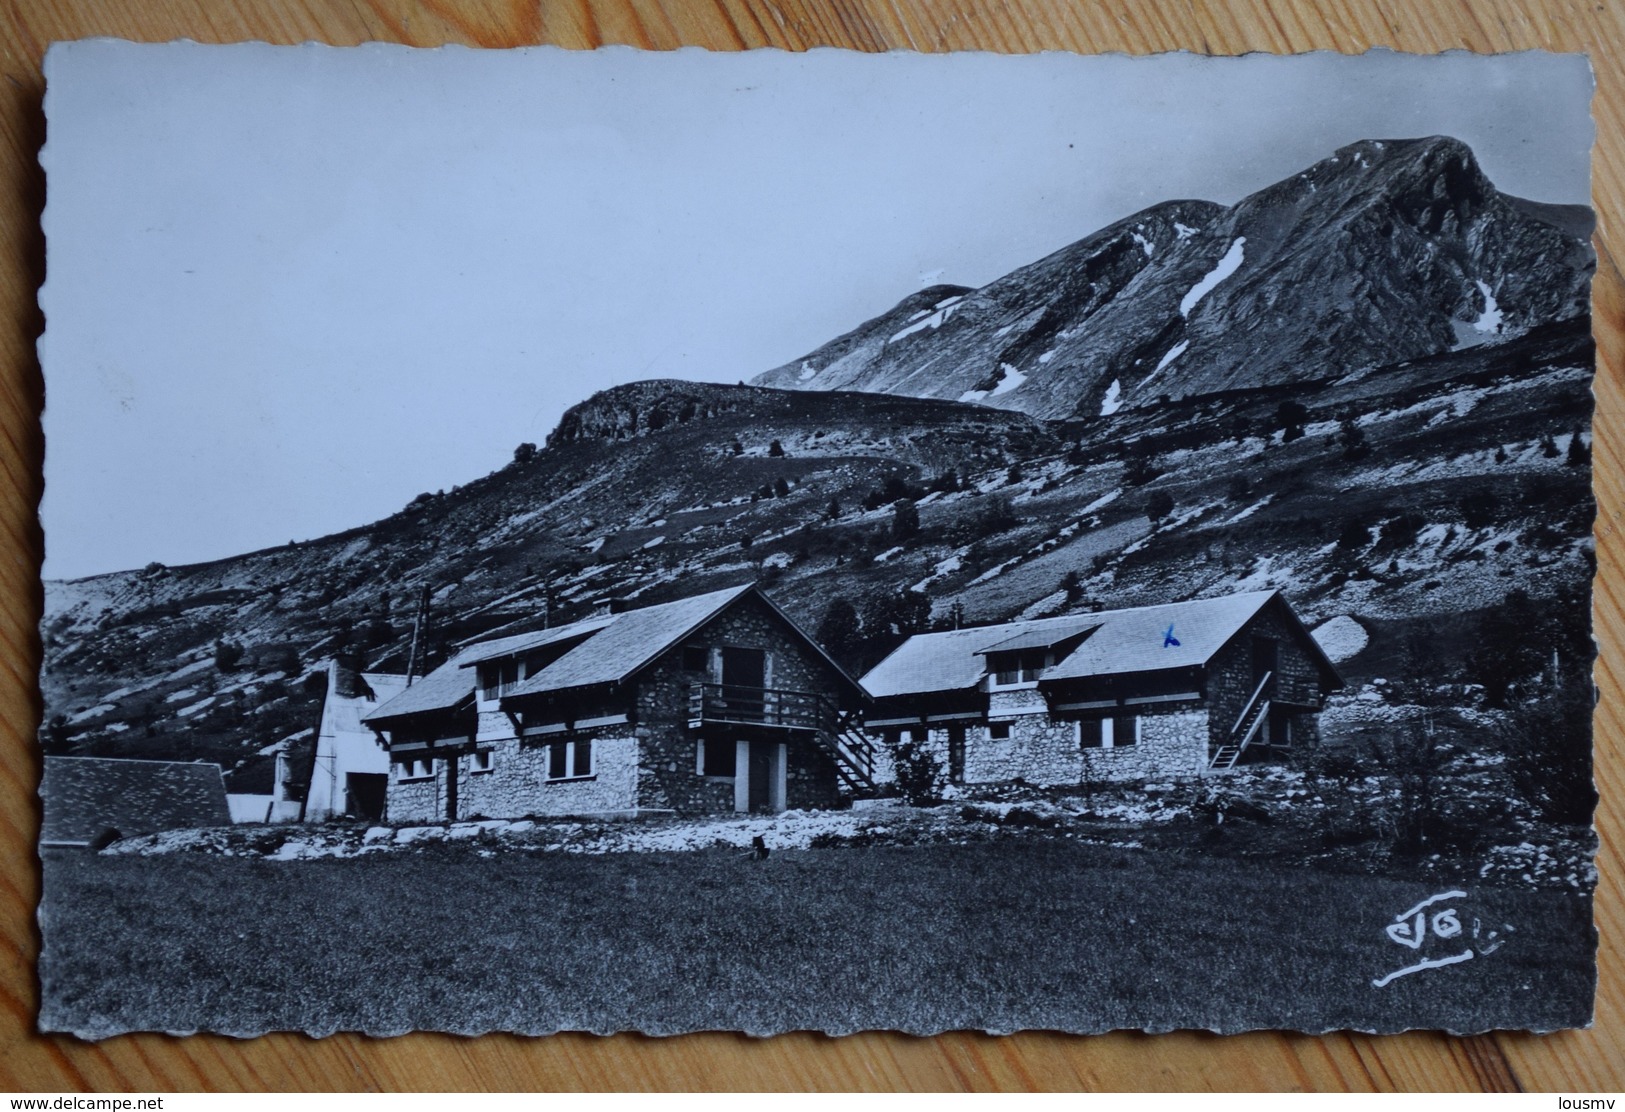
point(290, 288)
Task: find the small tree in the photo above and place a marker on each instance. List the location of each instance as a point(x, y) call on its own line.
point(1290, 417)
point(1014, 474)
point(833, 511)
point(919, 773)
point(1352, 437)
point(524, 453)
point(1548, 745)
point(1159, 505)
point(1579, 454)
point(1072, 586)
point(839, 631)
point(227, 655)
point(776, 450)
point(905, 520)
point(781, 488)
point(737, 448)
point(1548, 447)
point(1140, 470)
point(1501, 453)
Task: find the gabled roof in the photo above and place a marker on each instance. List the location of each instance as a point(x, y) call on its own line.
point(1138, 640)
point(445, 688)
point(629, 641)
point(1051, 635)
point(83, 796)
point(352, 696)
point(524, 642)
point(1114, 642)
point(952, 660)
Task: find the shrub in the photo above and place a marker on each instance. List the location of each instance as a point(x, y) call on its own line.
point(1579, 454)
point(524, 453)
point(227, 655)
point(1352, 437)
point(919, 773)
point(776, 450)
point(1140, 470)
point(1548, 744)
point(1290, 418)
point(1159, 505)
point(905, 520)
point(1479, 508)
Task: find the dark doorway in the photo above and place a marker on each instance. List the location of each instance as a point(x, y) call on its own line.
point(451, 788)
point(744, 667)
point(366, 792)
point(762, 754)
point(1266, 658)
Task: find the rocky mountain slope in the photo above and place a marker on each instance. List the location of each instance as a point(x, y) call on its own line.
point(1340, 416)
point(1385, 251)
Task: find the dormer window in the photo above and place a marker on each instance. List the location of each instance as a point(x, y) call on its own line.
point(1013, 669)
point(499, 677)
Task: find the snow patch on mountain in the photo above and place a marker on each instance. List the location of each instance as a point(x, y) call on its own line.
point(1012, 379)
point(1145, 244)
point(1490, 319)
point(1173, 353)
point(1227, 266)
point(1113, 401)
point(944, 309)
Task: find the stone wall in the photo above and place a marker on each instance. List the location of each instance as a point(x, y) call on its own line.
point(1230, 677)
point(671, 751)
point(517, 784)
point(415, 800)
point(1048, 752)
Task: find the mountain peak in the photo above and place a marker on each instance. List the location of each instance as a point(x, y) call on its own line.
point(1384, 251)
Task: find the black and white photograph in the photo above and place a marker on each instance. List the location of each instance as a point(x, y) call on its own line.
point(544, 540)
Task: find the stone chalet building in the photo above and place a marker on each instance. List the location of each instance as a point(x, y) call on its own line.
point(1158, 691)
point(710, 704)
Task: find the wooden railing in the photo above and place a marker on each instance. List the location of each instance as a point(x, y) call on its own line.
point(839, 733)
point(757, 706)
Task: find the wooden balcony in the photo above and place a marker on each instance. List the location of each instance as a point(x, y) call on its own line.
point(758, 706)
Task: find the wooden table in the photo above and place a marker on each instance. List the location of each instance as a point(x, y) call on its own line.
point(1593, 1059)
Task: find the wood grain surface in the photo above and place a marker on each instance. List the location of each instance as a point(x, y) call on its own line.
point(1580, 1060)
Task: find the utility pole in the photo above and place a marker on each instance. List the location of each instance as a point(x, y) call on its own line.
point(420, 623)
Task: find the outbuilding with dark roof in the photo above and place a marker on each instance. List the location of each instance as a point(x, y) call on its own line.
point(90, 801)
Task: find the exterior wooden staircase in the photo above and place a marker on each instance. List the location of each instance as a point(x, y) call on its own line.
point(852, 751)
point(838, 732)
point(1253, 715)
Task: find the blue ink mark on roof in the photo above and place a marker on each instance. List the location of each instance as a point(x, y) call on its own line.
point(1169, 641)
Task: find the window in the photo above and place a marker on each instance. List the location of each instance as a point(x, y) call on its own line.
point(500, 678)
point(1117, 732)
point(482, 760)
point(718, 758)
point(696, 658)
point(918, 733)
point(1010, 669)
point(569, 760)
point(417, 770)
point(998, 731)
